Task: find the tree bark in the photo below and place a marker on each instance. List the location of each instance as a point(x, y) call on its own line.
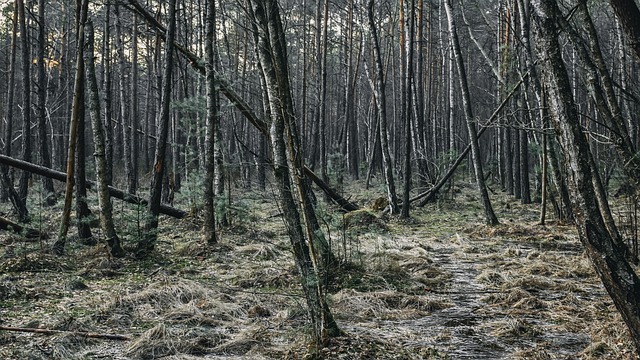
point(619, 278)
point(147, 243)
point(288, 165)
point(381, 101)
point(45, 156)
point(23, 186)
point(209, 225)
point(490, 216)
point(104, 200)
point(58, 246)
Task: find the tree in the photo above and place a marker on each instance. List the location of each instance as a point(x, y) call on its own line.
point(23, 186)
point(381, 103)
point(209, 225)
point(490, 216)
point(607, 256)
point(58, 246)
point(287, 161)
point(147, 243)
point(104, 199)
point(19, 204)
point(45, 156)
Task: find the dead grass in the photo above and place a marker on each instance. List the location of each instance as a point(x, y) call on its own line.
point(424, 289)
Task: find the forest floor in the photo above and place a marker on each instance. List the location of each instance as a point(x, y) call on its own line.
point(440, 286)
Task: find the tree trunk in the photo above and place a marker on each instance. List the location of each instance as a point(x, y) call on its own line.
point(104, 200)
point(45, 156)
point(209, 225)
point(123, 117)
point(490, 216)
point(18, 203)
point(288, 165)
point(407, 97)
point(23, 187)
point(147, 243)
point(620, 280)
point(58, 246)
point(381, 101)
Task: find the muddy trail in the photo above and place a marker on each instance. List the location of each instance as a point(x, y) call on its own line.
point(440, 286)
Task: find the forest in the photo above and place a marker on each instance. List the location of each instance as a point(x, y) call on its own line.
point(338, 179)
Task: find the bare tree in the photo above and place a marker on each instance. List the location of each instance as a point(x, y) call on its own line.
point(490, 216)
point(104, 199)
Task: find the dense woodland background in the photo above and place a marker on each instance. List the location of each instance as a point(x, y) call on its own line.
point(537, 99)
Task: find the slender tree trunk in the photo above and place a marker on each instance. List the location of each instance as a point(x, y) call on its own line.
point(23, 187)
point(409, 28)
point(45, 156)
point(106, 76)
point(104, 199)
point(147, 243)
point(18, 203)
point(60, 243)
point(134, 113)
point(381, 101)
point(124, 118)
point(209, 226)
point(490, 216)
point(620, 280)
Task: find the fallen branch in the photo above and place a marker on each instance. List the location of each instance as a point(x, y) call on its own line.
point(60, 176)
point(76, 333)
point(6, 224)
point(430, 194)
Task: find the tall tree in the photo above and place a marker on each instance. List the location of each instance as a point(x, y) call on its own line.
point(23, 187)
point(381, 103)
point(147, 243)
point(288, 168)
point(104, 200)
point(45, 156)
point(19, 204)
point(490, 216)
point(76, 111)
point(619, 278)
point(209, 225)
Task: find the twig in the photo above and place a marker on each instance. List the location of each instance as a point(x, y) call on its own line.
point(77, 333)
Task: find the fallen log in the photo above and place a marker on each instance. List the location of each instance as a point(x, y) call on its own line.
point(61, 176)
point(77, 333)
point(6, 224)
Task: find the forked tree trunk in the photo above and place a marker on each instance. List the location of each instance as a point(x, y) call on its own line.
point(58, 246)
point(147, 243)
point(104, 200)
point(619, 278)
point(287, 162)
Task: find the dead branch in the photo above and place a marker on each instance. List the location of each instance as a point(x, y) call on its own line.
point(6, 224)
point(60, 176)
point(76, 333)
